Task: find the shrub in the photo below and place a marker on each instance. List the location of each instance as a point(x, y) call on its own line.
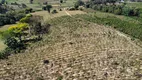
point(71, 9)
point(10, 17)
point(135, 12)
point(78, 3)
point(105, 8)
point(48, 8)
point(12, 43)
point(28, 10)
point(38, 27)
point(43, 7)
point(87, 5)
point(126, 11)
point(19, 27)
point(81, 8)
point(18, 30)
point(99, 7)
point(60, 9)
point(118, 11)
point(76, 6)
point(26, 19)
point(54, 11)
point(19, 16)
point(94, 7)
point(111, 9)
point(5, 53)
point(29, 15)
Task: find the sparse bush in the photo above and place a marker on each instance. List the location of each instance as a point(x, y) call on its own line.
point(18, 30)
point(78, 3)
point(94, 7)
point(105, 8)
point(87, 5)
point(60, 9)
point(117, 11)
point(5, 53)
point(10, 17)
point(28, 10)
point(126, 11)
point(47, 7)
point(54, 11)
point(43, 7)
point(71, 9)
point(111, 9)
point(99, 7)
point(23, 5)
point(81, 8)
point(26, 19)
point(19, 16)
point(76, 6)
point(12, 43)
point(37, 26)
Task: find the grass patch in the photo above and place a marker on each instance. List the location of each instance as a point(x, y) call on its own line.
point(2, 45)
point(132, 29)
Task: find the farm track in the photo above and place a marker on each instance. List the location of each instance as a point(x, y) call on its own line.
point(67, 12)
point(88, 52)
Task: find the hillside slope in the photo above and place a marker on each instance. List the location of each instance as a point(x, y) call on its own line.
point(76, 50)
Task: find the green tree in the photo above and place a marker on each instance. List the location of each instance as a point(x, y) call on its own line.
point(12, 43)
point(18, 30)
point(61, 1)
point(37, 26)
point(48, 8)
point(2, 1)
point(78, 3)
point(31, 1)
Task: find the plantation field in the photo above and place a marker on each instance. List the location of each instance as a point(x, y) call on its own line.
point(77, 45)
point(47, 16)
point(37, 4)
point(128, 25)
point(135, 4)
point(105, 15)
point(76, 49)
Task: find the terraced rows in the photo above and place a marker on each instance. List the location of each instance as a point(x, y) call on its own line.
point(77, 50)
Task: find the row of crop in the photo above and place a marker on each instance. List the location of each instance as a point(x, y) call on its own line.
point(118, 9)
point(132, 29)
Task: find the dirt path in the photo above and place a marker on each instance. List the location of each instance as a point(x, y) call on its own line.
point(67, 12)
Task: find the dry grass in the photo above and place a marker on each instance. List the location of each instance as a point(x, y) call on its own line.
point(2, 45)
point(76, 50)
point(48, 16)
point(5, 27)
point(76, 12)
